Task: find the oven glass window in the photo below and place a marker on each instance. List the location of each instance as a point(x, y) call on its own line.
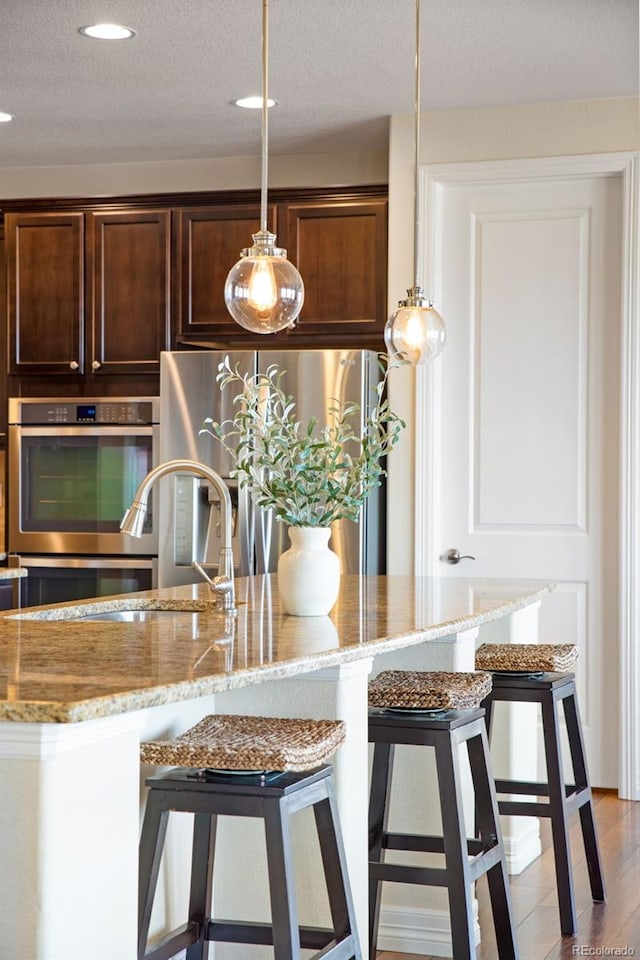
point(46, 585)
point(82, 484)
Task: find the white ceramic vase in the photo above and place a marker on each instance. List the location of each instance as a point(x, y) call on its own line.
point(309, 573)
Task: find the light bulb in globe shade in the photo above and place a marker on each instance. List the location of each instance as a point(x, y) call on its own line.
point(416, 331)
point(264, 292)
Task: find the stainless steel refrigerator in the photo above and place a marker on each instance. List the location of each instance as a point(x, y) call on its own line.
point(189, 393)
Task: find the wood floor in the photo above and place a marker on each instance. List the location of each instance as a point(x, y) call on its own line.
point(602, 927)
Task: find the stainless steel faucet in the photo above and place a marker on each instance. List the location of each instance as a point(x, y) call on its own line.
point(133, 521)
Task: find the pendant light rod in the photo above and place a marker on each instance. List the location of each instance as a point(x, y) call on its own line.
point(263, 291)
point(265, 113)
point(416, 226)
point(415, 331)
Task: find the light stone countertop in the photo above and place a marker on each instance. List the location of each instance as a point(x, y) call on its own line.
point(12, 573)
point(56, 670)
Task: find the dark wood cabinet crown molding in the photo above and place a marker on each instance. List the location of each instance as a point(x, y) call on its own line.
point(193, 199)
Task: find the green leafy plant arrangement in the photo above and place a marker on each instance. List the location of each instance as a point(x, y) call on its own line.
point(309, 476)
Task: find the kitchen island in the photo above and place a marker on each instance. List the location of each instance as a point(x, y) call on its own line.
point(78, 695)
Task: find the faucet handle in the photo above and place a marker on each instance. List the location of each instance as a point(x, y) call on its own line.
point(203, 573)
point(223, 586)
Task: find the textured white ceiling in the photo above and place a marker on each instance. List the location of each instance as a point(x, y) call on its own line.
point(339, 69)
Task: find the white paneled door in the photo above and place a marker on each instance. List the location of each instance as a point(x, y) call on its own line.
point(526, 471)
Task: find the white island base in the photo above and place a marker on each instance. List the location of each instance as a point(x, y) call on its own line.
point(69, 816)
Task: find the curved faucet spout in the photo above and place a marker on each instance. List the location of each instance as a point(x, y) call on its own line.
point(133, 520)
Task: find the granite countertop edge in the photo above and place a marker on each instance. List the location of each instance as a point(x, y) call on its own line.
point(13, 573)
point(142, 698)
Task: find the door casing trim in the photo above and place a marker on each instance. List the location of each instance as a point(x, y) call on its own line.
point(433, 180)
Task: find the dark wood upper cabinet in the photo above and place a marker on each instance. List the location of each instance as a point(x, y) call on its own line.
point(338, 243)
point(128, 271)
point(99, 287)
point(340, 249)
point(209, 241)
point(45, 273)
point(88, 292)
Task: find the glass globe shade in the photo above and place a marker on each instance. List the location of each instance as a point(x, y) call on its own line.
point(415, 333)
point(264, 293)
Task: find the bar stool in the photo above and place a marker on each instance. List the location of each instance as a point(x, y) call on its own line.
point(536, 673)
point(220, 747)
point(439, 710)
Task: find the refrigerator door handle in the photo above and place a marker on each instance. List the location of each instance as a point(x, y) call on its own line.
point(246, 533)
point(264, 529)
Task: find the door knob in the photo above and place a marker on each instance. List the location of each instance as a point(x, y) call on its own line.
point(454, 556)
point(74, 365)
point(95, 364)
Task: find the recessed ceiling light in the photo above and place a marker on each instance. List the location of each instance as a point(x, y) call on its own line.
point(107, 31)
point(5, 117)
point(253, 103)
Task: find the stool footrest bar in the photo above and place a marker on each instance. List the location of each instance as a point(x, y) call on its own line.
point(398, 873)
point(534, 789)
point(413, 842)
point(522, 808)
point(419, 843)
point(179, 939)
point(533, 808)
point(522, 786)
point(261, 934)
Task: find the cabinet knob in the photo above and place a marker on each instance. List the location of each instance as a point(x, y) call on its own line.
point(74, 365)
point(95, 364)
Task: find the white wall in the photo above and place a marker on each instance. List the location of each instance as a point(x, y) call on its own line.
point(230, 173)
point(448, 136)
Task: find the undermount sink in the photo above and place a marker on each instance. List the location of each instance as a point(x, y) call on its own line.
point(120, 611)
point(133, 616)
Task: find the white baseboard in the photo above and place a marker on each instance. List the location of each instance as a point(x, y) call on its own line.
point(522, 850)
point(426, 932)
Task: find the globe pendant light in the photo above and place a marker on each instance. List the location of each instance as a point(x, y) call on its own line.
point(264, 292)
point(415, 332)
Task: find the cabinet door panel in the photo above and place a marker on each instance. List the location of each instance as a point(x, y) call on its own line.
point(129, 264)
point(209, 243)
point(45, 254)
point(340, 251)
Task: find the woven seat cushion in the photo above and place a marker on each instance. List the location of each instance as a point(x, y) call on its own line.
point(249, 743)
point(412, 689)
point(527, 657)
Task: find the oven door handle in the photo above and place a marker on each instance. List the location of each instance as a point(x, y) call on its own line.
point(81, 563)
point(53, 430)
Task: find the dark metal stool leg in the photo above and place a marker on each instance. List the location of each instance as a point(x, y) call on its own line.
point(559, 818)
point(455, 848)
point(490, 832)
point(578, 759)
point(381, 775)
point(154, 830)
point(284, 912)
point(487, 705)
point(335, 870)
point(203, 850)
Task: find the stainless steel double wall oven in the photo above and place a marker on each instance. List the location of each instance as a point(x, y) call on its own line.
point(73, 468)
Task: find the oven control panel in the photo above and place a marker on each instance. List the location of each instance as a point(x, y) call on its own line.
point(79, 412)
